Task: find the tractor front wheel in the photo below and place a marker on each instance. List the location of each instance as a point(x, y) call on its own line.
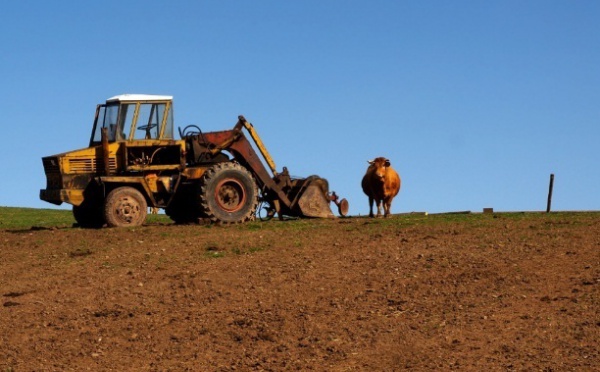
point(125, 206)
point(228, 193)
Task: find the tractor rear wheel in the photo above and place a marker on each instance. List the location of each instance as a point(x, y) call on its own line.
point(228, 193)
point(125, 206)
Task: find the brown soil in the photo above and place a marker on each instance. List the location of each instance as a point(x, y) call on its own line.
point(474, 292)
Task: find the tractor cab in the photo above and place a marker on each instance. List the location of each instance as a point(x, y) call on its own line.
point(134, 117)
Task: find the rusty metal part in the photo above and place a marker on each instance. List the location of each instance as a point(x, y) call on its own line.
point(230, 195)
point(311, 197)
point(342, 204)
point(312, 203)
point(193, 172)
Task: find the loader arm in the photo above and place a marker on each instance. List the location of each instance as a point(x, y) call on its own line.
point(259, 144)
point(306, 197)
point(238, 144)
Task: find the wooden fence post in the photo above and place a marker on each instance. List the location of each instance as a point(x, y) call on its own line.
point(550, 193)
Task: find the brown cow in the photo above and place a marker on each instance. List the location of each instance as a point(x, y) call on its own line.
point(381, 183)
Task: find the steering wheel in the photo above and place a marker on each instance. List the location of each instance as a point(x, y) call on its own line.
point(147, 127)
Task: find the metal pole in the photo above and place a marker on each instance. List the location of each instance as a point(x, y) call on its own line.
point(550, 193)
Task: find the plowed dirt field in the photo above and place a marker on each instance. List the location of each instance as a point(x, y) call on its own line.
point(498, 292)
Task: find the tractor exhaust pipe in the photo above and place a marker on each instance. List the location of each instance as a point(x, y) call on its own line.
point(105, 151)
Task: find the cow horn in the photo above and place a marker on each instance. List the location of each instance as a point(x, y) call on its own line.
point(371, 161)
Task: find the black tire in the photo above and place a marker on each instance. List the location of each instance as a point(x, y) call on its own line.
point(185, 207)
point(125, 206)
point(181, 214)
point(228, 193)
point(88, 216)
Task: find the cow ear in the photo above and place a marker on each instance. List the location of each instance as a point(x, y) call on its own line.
point(387, 162)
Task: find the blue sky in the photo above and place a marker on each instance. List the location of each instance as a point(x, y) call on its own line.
point(475, 103)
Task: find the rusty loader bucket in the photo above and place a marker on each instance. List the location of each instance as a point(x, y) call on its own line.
point(312, 198)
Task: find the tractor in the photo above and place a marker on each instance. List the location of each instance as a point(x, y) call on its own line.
point(133, 163)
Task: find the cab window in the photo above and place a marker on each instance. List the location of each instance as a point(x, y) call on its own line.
point(149, 120)
point(118, 119)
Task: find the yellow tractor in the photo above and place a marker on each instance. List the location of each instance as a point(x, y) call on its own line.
point(133, 162)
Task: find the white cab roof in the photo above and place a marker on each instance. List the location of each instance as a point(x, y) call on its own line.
point(138, 97)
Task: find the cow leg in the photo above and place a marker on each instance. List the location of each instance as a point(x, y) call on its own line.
point(370, 206)
point(379, 205)
point(387, 206)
